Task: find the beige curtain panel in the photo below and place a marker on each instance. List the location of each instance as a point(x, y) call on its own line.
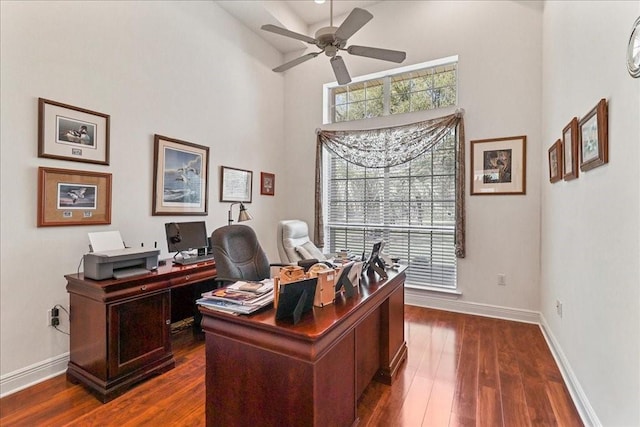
point(392, 146)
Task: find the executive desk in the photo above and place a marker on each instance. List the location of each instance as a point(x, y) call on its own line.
point(120, 329)
point(266, 372)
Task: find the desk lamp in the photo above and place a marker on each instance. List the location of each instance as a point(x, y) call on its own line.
point(244, 214)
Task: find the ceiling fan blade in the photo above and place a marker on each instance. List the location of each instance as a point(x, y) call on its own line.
point(340, 70)
point(300, 60)
point(377, 53)
point(356, 20)
point(288, 33)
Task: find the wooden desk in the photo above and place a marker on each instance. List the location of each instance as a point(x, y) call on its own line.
point(120, 329)
point(266, 372)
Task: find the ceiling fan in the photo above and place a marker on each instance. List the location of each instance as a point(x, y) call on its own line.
point(333, 39)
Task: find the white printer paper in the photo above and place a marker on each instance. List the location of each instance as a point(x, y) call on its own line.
point(106, 241)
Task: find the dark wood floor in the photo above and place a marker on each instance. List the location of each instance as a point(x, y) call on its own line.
point(462, 370)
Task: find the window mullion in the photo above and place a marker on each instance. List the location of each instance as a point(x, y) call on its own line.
point(386, 96)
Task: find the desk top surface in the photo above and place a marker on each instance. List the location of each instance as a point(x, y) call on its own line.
point(320, 320)
point(163, 272)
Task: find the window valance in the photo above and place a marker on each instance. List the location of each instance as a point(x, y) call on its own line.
point(391, 146)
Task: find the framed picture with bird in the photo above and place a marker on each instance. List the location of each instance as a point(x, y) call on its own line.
point(73, 197)
point(181, 172)
point(72, 133)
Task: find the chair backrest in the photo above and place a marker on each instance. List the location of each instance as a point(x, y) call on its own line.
point(294, 243)
point(238, 254)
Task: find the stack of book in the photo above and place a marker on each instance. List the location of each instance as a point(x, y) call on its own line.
point(240, 297)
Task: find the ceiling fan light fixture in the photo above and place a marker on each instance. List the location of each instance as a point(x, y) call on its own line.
point(331, 40)
point(330, 51)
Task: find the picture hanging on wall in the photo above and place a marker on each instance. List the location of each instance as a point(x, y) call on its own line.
point(570, 149)
point(181, 172)
point(72, 133)
point(72, 197)
point(593, 134)
point(498, 166)
point(555, 162)
point(236, 185)
point(267, 184)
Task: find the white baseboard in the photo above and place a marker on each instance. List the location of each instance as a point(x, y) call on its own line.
point(33, 374)
point(451, 303)
point(588, 415)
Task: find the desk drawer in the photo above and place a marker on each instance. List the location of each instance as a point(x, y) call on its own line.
point(137, 289)
point(189, 278)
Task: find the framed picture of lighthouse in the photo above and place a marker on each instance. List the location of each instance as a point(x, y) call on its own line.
point(181, 174)
point(71, 133)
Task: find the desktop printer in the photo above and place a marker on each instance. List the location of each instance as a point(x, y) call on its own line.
point(120, 263)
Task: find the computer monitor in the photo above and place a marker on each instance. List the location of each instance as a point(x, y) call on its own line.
point(187, 236)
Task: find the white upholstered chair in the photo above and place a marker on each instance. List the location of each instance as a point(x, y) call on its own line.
point(294, 243)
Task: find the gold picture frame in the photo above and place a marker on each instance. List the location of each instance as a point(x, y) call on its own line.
point(73, 197)
point(498, 166)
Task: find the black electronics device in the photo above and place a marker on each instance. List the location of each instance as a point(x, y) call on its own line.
point(295, 299)
point(187, 236)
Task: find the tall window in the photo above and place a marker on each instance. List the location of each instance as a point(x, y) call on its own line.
point(410, 206)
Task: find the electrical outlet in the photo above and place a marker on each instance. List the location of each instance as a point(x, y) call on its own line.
point(559, 307)
point(502, 279)
point(52, 317)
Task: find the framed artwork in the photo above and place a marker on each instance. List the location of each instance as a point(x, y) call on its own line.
point(72, 197)
point(72, 133)
point(570, 150)
point(267, 184)
point(555, 162)
point(235, 185)
point(593, 134)
point(498, 166)
point(181, 175)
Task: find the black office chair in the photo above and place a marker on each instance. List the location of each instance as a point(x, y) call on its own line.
point(238, 254)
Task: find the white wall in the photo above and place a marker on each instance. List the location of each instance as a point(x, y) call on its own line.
point(590, 226)
point(500, 50)
point(186, 70)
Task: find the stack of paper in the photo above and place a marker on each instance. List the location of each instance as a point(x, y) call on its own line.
point(240, 297)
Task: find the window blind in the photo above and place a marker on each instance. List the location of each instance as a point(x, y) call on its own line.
point(410, 206)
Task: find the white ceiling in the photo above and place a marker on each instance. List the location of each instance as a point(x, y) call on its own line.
point(313, 13)
point(296, 15)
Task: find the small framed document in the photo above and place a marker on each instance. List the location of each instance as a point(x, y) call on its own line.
point(235, 185)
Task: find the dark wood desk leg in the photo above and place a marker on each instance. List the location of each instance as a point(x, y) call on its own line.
point(393, 348)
